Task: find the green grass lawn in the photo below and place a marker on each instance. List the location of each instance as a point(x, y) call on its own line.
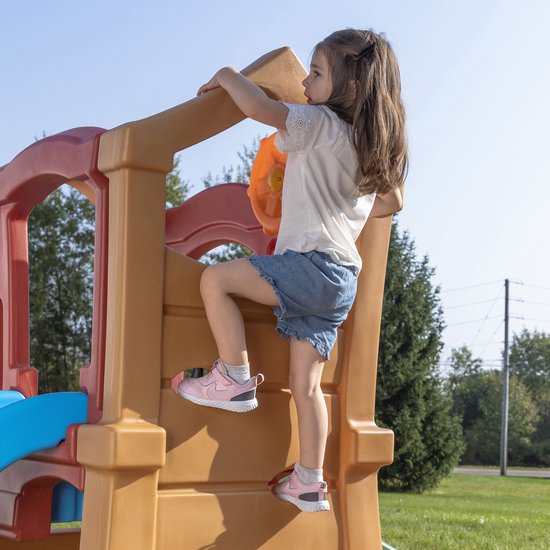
point(470, 512)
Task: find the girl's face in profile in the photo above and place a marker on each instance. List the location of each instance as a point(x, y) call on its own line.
point(318, 84)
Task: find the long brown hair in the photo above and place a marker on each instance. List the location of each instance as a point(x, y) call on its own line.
point(366, 93)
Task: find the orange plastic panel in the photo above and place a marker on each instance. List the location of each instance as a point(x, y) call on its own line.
point(266, 185)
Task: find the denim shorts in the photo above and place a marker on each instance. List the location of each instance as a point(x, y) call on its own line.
point(315, 295)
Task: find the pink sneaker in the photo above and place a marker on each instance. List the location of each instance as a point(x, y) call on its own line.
point(217, 389)
point(309, 497)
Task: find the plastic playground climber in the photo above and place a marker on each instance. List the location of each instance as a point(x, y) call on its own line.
point(142, 468)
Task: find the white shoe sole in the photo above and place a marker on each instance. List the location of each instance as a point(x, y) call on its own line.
point(233, 406)
point(322, 506)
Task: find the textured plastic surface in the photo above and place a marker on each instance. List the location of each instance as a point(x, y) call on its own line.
point(39, 422)
point(8, 397)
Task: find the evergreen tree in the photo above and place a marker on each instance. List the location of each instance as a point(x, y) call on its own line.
point(61, 257)
point(410, 396)
point(177, 190)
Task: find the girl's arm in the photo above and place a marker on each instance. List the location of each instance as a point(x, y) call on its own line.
point(388, 204)
point(248, 97)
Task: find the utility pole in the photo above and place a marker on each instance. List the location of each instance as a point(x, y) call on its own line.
point(505, 386)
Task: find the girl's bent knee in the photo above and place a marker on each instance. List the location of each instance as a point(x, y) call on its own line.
point(209, 282)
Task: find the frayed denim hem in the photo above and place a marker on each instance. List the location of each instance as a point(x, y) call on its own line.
point(267, 278)
point(285, 328)
point(287, 332)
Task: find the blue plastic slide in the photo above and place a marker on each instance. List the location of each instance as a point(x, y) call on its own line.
point(36, 423)
point(9, 397)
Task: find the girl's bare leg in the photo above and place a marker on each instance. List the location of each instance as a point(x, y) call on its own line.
point(218, 284)
point(239, 278)
point(306, 368)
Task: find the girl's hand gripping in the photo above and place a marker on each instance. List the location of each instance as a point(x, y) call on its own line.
point(248, 97)
point(212, 84)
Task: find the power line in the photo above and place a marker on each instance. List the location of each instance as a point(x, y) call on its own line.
point(473, 321)
point(490, 342)
point(527, 302)
point(492, 360)
point(534, 286)
point(492, 336)
point(484, 365)
point(496, 362)
point(487, 316)
point(470, 304)
point(521, 283)
point(522, 318)
point(472, 286)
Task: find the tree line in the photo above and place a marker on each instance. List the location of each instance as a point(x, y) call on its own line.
point(437, 420)
point(477, 400)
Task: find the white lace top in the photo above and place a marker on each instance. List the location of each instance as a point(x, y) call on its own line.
point(322, 209)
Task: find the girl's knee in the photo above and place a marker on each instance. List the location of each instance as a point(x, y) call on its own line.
point(210, 282)
point(303, 388)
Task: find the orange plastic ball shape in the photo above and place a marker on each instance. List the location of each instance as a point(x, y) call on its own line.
point(266, 185)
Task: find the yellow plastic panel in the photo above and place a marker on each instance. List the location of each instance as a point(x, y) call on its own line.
point(250, 520)
point(206, 445)
point(188, 343)
point(178, 292)
point(128, 445)
point(128, 512)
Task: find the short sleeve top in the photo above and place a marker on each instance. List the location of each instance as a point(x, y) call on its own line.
point(321, 206)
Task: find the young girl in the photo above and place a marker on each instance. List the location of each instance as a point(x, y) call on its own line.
point(347, 160)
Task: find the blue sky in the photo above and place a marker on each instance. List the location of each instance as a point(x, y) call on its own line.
point(476, 83)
